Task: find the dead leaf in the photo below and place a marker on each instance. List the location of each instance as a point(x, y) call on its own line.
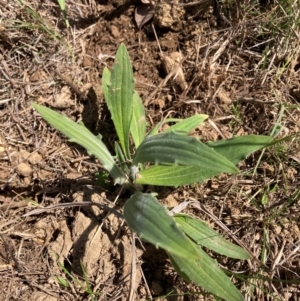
point(143, 13)
point(224, 97)
point(172, 62)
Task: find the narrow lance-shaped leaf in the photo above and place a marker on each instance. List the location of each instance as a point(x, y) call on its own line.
point(138, 122)
point(181, 125)
point(81, 135)
point(187, 125)
point(149, 219)
point(120, 94)
point(203, 235)
point(181, 175)
point(174, 148)
point(174, 175)
point(238, 148)
point(206, 273)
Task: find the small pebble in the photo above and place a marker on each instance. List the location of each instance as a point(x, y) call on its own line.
point(24, 170)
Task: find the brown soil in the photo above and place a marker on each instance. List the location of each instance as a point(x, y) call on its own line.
point(222, 76)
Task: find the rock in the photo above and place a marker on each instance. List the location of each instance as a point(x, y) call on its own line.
point(24, 170)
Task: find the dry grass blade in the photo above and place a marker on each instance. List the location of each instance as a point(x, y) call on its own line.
point(71, 205)
point(133, 270)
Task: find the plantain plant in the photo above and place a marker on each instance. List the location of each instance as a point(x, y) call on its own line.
point(168, 158)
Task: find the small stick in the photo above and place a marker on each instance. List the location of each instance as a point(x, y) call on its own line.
point(133, 269)
point(190, 3)
point(5, 72)
point(256, 101)
point(71, 205)
point(146, 284)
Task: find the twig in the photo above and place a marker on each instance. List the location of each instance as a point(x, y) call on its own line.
point(5, 100)
point(190, 3)
point(71, 205)
point(217, 129)
point(256, 101)
point(133, 269)
point(146, 284)
point(6, 73)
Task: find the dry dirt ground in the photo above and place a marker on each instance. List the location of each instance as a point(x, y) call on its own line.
point(240, 66)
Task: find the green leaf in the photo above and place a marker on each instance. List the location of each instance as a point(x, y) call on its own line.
point(175, 175)
point(234, 150)
point(121, 159)
point(187, 125)
point(206, 273)
point(138, 123)
point(174, 148)
point(120, 97)
point(203, 235)
point(150, 220)
point(182, 274)
point(62, 281)
point(81, 135)
point(182, 125)
point(238, 148)
point(62, 4)
point(105, 82)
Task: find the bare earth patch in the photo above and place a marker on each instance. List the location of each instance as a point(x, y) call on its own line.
point(235, 68)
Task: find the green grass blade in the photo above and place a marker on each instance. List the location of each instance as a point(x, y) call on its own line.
point(206, 273)
point(150, 220)
point(238, 148)
point(138, 123)
point(120, 97)
point(62, 4)
point(81, 135)
point(203, 235)
point(174, 148)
